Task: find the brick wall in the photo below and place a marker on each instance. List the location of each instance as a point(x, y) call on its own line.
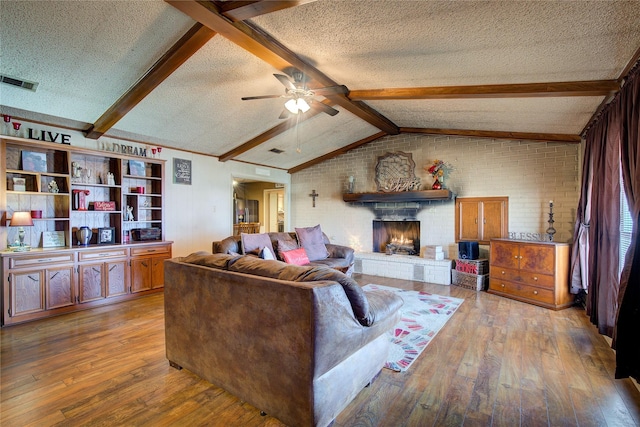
point(529, 173)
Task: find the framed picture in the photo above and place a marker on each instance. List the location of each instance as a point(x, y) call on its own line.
point(106, 236)
point(181, 171)
point(53, 239)
point(34, 161)
point(136, 168)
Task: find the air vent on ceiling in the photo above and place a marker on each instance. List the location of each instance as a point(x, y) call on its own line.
point(32, 86)
point(276, 150)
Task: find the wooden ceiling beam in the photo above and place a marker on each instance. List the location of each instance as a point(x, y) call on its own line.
point(271, 133)
point(338, 152)
point(524, 90)
point(243, 10)
point(182, 50)
point(530, 136)
point(259, 43)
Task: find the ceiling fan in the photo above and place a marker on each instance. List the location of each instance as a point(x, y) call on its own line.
point(300, 98)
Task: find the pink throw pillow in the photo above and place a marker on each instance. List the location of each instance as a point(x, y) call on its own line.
point(296, 257)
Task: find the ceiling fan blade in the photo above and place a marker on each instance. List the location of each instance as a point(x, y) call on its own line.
point(285, 81)
point(285, 114)
point(331, 90)
point(325, 108)
point(249, 98)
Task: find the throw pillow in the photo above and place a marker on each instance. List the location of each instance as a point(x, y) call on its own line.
point(253, 243)
point(312, 240)
point(266, 253)
point(284, 245)
point(296, 257)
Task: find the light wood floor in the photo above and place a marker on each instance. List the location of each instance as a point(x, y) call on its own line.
point(496, 362)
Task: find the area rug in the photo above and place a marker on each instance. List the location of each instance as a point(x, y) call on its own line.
point(422, 316)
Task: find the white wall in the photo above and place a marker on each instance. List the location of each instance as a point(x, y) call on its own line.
point(529, 173)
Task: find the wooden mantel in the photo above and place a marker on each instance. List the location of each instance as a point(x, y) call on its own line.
point(401, 196)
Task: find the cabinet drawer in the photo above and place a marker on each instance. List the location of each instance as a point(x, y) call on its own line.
point(522, 291)
point(525, 277)
point(151, 250)
point(537, 279)
point(40, 259)
point(501, 273)
point(107, 253)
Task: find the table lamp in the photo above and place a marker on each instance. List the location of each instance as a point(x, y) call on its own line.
point(21, 220)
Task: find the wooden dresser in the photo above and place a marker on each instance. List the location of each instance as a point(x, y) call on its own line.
point(532, 272)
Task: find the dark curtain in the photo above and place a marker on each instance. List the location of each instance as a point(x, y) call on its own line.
point(604, 230)
point(580, 249)
point(612, 149)
point(626, 341)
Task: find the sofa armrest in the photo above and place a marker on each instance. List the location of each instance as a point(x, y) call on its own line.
point(227, 245)
point(338, 251)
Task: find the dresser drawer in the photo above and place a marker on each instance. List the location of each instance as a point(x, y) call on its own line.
point(151, 250)
point(537, 279)
point(40, 259)
point(523, 291)
point(106, 253)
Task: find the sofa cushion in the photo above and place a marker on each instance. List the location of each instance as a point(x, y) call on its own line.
point(284, 244)
point(355, 294)
point(296, 257)
point(220, 261)
point(253, 243)
point(312, 240)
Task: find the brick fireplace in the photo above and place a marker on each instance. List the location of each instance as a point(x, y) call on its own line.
point(396, 237)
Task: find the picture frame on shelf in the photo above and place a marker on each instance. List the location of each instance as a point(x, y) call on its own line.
point(34, 161)
point(137, 168)
point(106, 236)
point(53, 239)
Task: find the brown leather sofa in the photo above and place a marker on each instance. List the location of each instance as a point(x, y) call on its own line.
point(340, 257)
point(289, 340)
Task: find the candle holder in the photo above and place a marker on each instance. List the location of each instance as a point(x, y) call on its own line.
point(551, 231)
point(352, 183)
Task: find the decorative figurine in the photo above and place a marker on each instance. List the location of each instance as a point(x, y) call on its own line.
point(53, 187)
point(129, 216)
point(111, 179)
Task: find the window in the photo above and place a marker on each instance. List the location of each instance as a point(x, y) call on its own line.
point(625, 226)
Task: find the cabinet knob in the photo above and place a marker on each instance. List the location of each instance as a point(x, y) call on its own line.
point(503, 272)
point(516, 257)
point(535, 292)
point(502, 284)
point(535, 278)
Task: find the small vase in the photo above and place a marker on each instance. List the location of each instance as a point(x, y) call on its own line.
point(436, 185)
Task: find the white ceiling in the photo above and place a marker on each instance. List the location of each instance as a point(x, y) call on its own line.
point(86, 54)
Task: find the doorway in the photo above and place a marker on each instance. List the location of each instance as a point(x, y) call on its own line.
point(274, 210)
point(258, 202)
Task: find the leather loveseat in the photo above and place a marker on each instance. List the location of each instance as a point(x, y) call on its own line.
point(340, 257)
point(297, 342)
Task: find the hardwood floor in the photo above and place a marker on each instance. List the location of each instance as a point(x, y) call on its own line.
point(497, 362)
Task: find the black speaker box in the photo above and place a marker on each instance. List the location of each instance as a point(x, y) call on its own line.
point(468, 250)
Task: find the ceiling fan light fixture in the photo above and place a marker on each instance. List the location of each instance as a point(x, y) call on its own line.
point(292, 106)
point(303, 105)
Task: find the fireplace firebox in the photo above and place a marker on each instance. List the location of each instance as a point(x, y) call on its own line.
point(396, 237)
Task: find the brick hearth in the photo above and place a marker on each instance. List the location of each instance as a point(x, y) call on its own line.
point(405, 267)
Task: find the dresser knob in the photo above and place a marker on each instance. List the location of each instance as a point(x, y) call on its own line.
point(535, 292)
point(503, 272)
point(502, 284)
point(516, 257)
point(535, 278)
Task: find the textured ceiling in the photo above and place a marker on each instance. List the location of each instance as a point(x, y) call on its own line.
point(86, 54)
